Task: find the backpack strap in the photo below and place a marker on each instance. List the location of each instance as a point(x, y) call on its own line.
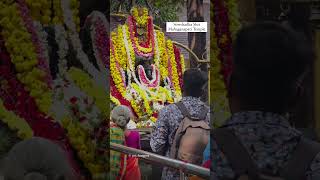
point(185, 112)
point(235, 152)
point(302, 157)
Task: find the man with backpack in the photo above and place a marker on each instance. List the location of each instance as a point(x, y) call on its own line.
point(257, 142)
point(182, 130)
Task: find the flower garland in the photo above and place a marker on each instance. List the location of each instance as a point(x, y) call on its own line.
point(16, 99)
point(99, 77)
point(15, 123)
point(163, 54)
point(23, 55)
point(61, 39)
point(130, 54)
point(221, 46)
point(85, 83)
point(57, 11)
point(146, 106)
point(154, 83)
point(234, 16)
point(119, 98)
point(99, 35)
point(173, 69)
point(40, 10)
point(74, 6)
point(38, 37)
point(180, 65)
point(142, 20)
point(142, 50)
point(221, 21)
point(114, 67)
point(115, 100)
point(136, 101)
point(84, 146)
point(120, 50)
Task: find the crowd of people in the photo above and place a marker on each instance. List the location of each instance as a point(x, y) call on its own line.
point(256, 142)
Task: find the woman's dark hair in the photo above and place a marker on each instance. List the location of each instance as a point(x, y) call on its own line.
point(193, 82)
point(268, 60)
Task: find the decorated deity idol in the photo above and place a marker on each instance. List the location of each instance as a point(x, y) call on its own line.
point(146, 68)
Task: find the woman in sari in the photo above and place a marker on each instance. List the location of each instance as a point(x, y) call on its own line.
point(120, 116)
point(132, 140)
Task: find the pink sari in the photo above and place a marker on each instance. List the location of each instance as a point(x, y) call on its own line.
point(132, 169)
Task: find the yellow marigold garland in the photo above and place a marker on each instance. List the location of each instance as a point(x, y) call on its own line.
point(183, 66)
point(119, 48)
point(84, 146)
point(115, 74)
point(23, 55)
point(147, 111)
point(75, 5)
point(14, 122)
point(163, 54)
point(143, 19)
point(218, 93)
point(175, 77)
point(87, 85)
point(58, 14)
point(135, 106)
point(234, 16)
point(114, 100)
point(142, 49)
point(40, 10)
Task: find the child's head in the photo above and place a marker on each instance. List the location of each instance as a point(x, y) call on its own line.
point(36, 159)
point(121, 116)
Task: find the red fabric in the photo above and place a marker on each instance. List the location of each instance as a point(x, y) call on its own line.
point(133, 169)
point(207, 164)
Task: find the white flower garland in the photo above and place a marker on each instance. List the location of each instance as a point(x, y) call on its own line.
point(61, 39)
point(41, 33)
point(100, 78)
point(126, 45)
point(58, 106)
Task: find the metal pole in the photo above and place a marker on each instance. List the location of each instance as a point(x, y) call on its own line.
point(161, 160)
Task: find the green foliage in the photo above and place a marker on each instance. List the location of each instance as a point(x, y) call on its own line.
point(162, 10)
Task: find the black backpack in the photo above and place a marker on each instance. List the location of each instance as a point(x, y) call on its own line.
point(244, 167)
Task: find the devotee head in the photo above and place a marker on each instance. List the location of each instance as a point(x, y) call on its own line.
point(121, 115)
point(269, 60)
point(36, 159)
point(194, 81)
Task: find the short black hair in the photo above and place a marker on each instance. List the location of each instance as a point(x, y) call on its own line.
point(193, 82)
point(268, 60)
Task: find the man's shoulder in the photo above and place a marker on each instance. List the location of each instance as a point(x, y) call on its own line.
point(169, 108)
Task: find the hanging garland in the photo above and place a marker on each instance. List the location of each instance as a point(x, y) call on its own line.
point(18, 101)
point(40, 10)
point(223, 31)
point(38, 37)
point(15, 123)
point(173, 69)
point(161, 43)
point(85, 148)
point(223, 34)
point(85, 83)
point(24, 54)
point(57, 12)
point(234, 16)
